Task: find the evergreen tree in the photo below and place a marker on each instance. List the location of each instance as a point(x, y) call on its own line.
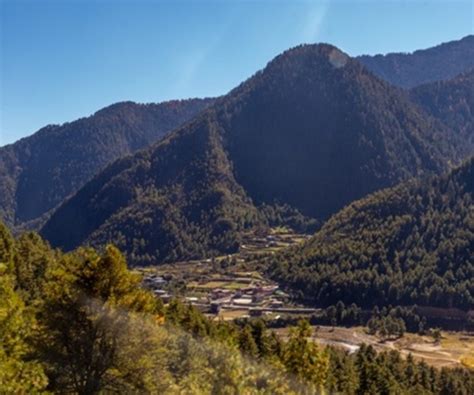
point(304, 359)
point(85, 318)
point(19, 372)
point(247, 342)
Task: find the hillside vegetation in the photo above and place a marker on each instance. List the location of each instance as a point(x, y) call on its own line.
point(438, 63)
point(39, 172)
point(81, 323)
point(411, 244)
point(313, 131)
point(451, 102)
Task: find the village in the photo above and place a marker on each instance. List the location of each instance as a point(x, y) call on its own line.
point(228, 287)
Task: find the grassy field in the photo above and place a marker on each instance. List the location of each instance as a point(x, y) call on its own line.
point(228, 315)
point(468, 361)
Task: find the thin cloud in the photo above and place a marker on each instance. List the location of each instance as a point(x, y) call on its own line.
point(314, 21)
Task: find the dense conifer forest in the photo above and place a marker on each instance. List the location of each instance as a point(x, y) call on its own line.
point(278, 139)
point(57, 160)
point(451, 102)
point(438, 63)
point(411, 244)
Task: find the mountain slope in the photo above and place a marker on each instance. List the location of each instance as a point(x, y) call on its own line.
point(39, 172)
point(438, 63)
point(179, 199)
point(451, 102)
point(411, 244)
point(315, 130)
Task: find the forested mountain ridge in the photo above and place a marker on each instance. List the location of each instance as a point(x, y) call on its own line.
point(57, 160)
point(438, 63)
point(410, 244)
point(38, 172)
point(314, 130)
point(179, 199)
point(451, 102)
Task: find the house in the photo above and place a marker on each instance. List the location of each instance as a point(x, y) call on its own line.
point(191, 299)
point(242, 301)
point(276, 303)
point(269, 288)
point(258, 298)
point(165, 298)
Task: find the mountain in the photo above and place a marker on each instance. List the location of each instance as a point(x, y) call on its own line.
point(39, 172)
point(451, 102)
point(179, 199)
point(410, 244)
point(314, 131)
point(438, 63)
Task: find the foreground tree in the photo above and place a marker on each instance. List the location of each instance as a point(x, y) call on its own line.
point(81, 323)
point(86, 322)
point(19, 373)
point(304, 359)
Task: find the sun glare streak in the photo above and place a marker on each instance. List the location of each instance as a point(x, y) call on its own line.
point(313, 22)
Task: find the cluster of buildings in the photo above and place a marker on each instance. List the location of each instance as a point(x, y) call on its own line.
point(157, 284)
point(218, 288)
point(254, 298)
point(251, 297)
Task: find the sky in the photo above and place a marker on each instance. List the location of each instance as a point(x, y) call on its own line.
point(64, 59)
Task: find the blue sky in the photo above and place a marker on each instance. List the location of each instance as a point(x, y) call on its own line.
point(64, 59)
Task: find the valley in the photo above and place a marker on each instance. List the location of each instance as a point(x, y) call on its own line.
point(229, 286)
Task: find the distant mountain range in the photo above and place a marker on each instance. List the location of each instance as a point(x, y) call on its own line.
point(38, 172)
point(410, 244)
point(451, 102)
point(408, 70)
point(315, 130)
point(312, 132)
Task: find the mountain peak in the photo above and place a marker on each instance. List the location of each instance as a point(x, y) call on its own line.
point(313, 52)
point(314, 130)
